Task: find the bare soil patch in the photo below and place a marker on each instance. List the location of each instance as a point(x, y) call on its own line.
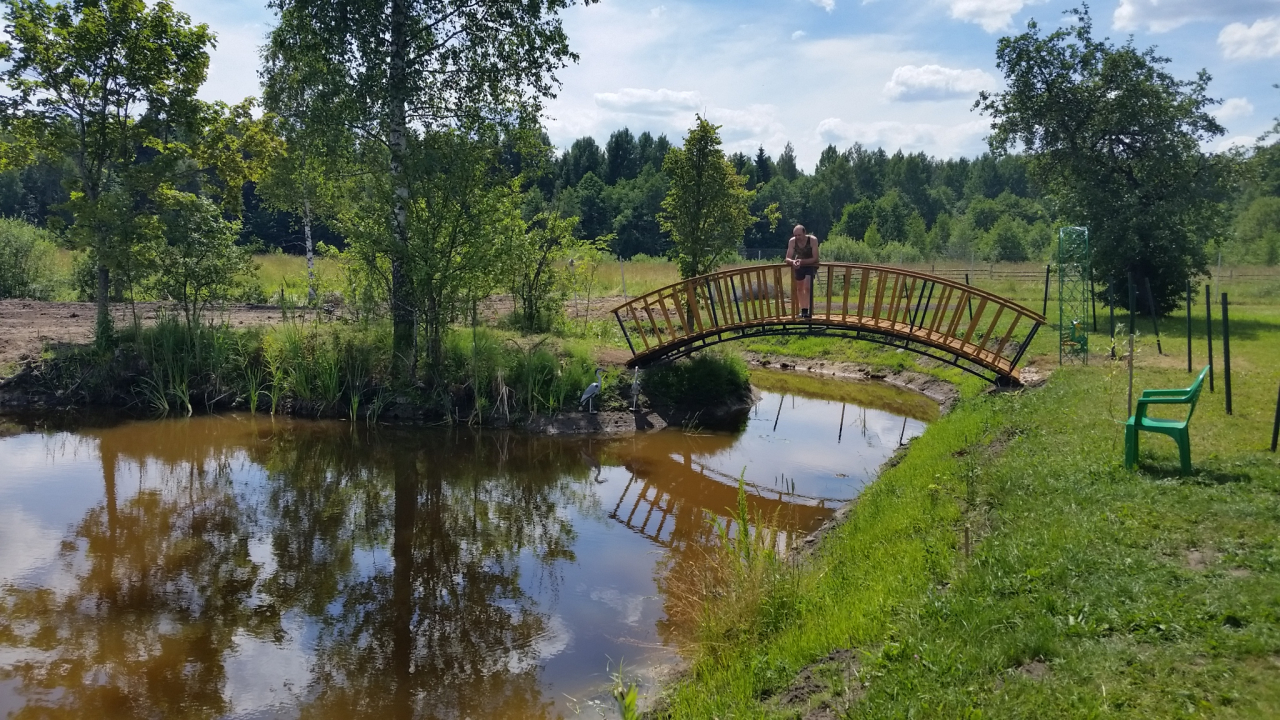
point(28, 326)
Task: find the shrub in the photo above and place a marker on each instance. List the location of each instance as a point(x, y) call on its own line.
point(841, 248)
point(26, 261)
point(900, 254)
point(708, 378)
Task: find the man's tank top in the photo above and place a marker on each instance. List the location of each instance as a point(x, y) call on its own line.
point(805, 252)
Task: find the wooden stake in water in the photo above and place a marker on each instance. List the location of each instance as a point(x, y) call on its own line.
point(1208, 319)
point(840, 435)
point(1226, 352)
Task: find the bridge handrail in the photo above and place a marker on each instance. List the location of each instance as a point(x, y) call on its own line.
point(761, 305)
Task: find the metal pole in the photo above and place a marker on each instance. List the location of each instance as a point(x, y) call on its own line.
point(1151, 305)
point(1132, 301)
point(1275, 428)
point(1111, 310)
point(1226, 352)
point(1208, 319)
point(1045, 311)
point(1093, 303)
point(966, 282)
point(840, 435)
point(1188, 326)
point(622, 266)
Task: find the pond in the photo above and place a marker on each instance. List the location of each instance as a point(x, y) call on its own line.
point(242, 567)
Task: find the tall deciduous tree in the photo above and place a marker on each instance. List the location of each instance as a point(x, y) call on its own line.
point(706, 210)
point(1117, 139)
point(393, 72)
point(97, 81)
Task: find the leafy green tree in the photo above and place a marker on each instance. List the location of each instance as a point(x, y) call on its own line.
point(199, 262)
point(583, 156)
point(707, 208)
point(27, 258)
point(892, 214)
point(535, 271)
point(765, 169)
point(856, 218)
point(400, 76)
point(786, 166)
point(622, 161)
point(97, 82)
point(1116, 139)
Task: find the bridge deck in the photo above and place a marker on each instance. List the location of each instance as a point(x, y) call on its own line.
point(975, 330)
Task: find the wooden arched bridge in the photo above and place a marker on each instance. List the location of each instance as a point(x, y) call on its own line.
point(974, 330)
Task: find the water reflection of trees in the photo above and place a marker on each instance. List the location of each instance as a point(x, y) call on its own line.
point(161, 583)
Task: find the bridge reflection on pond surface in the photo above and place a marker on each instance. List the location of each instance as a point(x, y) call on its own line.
point(238, 567)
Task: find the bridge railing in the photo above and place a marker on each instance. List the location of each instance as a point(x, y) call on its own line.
point(936, 316)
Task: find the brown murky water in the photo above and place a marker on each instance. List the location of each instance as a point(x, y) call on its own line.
point(236, 567)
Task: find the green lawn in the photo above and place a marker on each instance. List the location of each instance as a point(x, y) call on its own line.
point(1091, 591)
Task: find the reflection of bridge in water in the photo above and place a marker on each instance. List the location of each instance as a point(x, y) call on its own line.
point(675, 502)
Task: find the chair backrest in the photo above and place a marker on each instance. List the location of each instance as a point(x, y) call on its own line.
point(1193, 394)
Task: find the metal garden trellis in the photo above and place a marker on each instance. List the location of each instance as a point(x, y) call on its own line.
point(1073, 295)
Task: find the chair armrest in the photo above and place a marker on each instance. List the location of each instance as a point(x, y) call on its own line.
point(1183, 400)
point(1166, 393)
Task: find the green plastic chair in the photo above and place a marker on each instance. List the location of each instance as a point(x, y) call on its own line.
point(1176, 429)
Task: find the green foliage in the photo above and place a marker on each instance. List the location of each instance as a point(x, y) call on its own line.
point(199, 261)
point(707, 378)
point(82, 76)
point(1117, 138)
point(26, 261)
point(855, 219)
point(1257, 233)
point(536, 268)
point(839, 248)
point(706, 209)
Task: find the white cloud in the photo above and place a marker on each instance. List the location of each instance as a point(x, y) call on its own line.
point(992, 15)
point(797, 35)
point(945, 139)
point(713, 51)
point(1259, 40)
point(1232, 108)
point(827, 5)
point(934, 82)
point(1165, 15)
point(640, 101)
point(658, 11)
point(1238, 141)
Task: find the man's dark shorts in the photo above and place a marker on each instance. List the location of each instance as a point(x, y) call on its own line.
point(806, 272)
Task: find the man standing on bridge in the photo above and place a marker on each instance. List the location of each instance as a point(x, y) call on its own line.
point(802, 256)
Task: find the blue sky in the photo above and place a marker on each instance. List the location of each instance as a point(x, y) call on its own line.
point(888, 73)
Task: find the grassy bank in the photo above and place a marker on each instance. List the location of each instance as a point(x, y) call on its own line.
point(1090, 591)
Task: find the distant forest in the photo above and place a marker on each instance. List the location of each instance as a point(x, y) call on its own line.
point(910, 207)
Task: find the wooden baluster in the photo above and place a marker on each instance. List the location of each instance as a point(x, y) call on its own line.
point(657, 331)
point(1005, 340)
point(830, 275)
point(862, 293)
point(940, 312)
point(986, 336)
point(844, 304)
point(973, 324)
point(780, 299)
point(666, 315)
point(691, 293)
point(631, 307)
